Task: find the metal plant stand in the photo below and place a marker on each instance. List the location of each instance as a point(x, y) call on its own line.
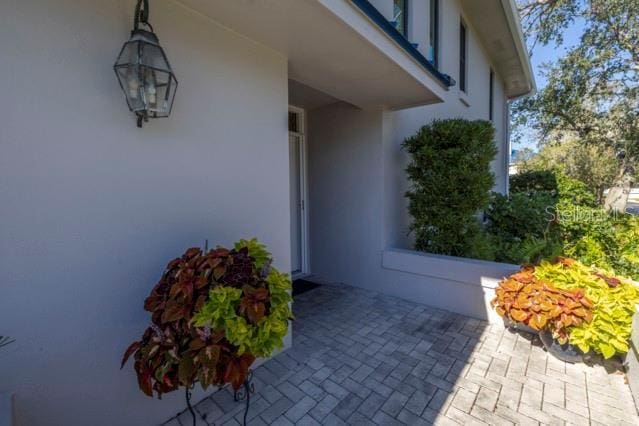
point(188, 404)
point(244, 393)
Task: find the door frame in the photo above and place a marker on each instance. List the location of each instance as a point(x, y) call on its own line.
point(304, 231)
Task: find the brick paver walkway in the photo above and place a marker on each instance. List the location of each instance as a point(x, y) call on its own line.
point(360, 358)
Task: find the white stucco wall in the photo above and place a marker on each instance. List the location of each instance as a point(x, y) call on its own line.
point(345, 198)
point(93, 208)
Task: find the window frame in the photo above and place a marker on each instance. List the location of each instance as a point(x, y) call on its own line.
point(463, 56)
point(433, 30)
point(491, 95)
point(404, 18)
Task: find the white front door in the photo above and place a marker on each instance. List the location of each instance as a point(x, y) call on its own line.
point(298, 193)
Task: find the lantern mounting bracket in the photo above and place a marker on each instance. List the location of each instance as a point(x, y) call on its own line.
point(141, 15)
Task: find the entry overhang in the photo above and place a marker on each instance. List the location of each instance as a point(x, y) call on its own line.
point(334, 46)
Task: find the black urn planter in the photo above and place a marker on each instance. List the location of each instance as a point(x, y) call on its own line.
point(566, 352)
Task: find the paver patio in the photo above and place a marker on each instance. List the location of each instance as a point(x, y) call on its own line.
point(361, 358)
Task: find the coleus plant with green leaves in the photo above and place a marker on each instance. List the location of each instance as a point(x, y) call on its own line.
point(523, 298)
point(614, 302)
point(212, 314)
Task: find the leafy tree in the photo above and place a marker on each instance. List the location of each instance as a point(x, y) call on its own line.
point(592, 92)
point(595, 165)
point(524, 155)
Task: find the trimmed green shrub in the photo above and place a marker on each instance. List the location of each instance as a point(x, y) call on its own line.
point(450, 180)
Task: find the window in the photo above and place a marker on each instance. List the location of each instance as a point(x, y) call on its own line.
point(462, 56)
point(491, 95)
point(293, 122)
point(400, 16)
point(433, 32)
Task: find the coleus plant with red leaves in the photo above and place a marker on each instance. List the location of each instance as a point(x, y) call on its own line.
point(176, 350)
point(525, 299)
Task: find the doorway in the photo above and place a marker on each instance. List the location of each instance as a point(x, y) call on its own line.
point(298, 193)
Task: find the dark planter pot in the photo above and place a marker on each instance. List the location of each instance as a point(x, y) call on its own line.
point(566, 352)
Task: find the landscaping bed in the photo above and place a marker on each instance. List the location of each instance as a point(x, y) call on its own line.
point(579, 311)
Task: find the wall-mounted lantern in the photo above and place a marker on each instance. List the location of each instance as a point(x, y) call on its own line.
point(144, 72)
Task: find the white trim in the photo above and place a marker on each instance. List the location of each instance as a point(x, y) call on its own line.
point(301, 134)
point(514, 22)
point(508, 144)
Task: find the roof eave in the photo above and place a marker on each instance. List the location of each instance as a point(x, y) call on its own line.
point(514, 23)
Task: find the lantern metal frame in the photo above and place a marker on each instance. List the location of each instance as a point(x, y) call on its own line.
point(146, 37)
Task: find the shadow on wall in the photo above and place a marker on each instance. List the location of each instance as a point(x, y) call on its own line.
point(360, 357)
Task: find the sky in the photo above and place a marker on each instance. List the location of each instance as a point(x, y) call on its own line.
point(549, 53)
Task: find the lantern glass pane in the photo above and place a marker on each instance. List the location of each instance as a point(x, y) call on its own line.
point(128, 76)
point(153, 56)
point(159, 91)
point(129, 54)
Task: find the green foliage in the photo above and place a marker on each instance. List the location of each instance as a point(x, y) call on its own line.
point(528, 251)
point(222, 305)
point(522, 225)
point(520, 216)
point(260, 337)
point(549, 214)
point(256, 250)
point(552, 184)
point(627, 237)
point(595, 165)
point(483, 246)
point(533, 182)
point(450, 180)
point(574, 192)
point(614, 299)
point(609, 240)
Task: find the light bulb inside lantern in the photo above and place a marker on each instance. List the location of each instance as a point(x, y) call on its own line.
point(133, 84)
point(150, 89)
